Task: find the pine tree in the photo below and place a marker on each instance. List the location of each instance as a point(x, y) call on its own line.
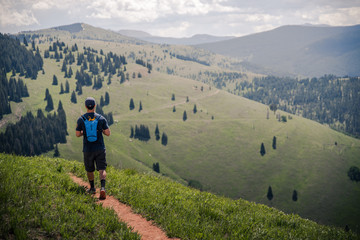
point(173, 97)
point(262, 149)
point(156, 167)
point(184, 116)
point(47, 93)
point(131, 105)
point(50, 104)
point(56, 152)
point(140, 107)
point(174, 109)
point(25, 42)
point(55, 80)
point(269, 194)
point(195, 109)
point(107, 98)
point(131, 132)
point(67, 87)
point(187, 99)
point(157, 133)
point(102, 102)
point(73, 97)
point(294, 196)
point(274, 143)
point(61, 89)
point(164, 139)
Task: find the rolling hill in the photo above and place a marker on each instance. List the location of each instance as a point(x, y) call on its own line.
point(302, 50)
point(218, 146)
point(194, 40)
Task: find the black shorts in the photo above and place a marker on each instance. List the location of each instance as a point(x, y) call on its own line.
point(90, 158)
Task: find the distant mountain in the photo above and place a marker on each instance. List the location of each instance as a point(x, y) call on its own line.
point(86, 31)
point(304, 50)
point(194, 40)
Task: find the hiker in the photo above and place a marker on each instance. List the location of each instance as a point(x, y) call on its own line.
point(92, 126)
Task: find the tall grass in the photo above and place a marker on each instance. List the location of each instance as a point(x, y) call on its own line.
point(40, 201)
point(190, 214)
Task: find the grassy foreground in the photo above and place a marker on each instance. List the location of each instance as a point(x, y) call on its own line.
point(38, 200)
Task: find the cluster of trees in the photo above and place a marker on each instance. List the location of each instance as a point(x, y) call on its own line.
point(187, 58)
point(262, 147)
point(35, 135)
point(270, 195)
point(18, 59)
point(328, 99)
point(145, 64)
point(142, 133)
point(220, 79)
point(164, 137)
point(108, 116)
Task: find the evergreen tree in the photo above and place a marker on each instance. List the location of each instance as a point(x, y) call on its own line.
point(61, 89)
point(131, 105)
point(262, 149)
point(269, 194)
point(274, 143)
point(56, 152)
point(47, 93)
point(157, 133)
point(174, 109)
point(140, 107)
point(187, 99)
point(55, 80)
point(70, 73)
point(73, 97)
point(131, 132)
point(102, 102)
point(107, 98)
point(164, 139)
point(173, 97)
point(195, 109)
point(294, 196)
point(67, 87)
point(50, 104)
point(156, 167)
point(25, 42)
point(184, 116)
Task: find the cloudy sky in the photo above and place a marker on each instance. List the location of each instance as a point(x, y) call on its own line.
point(177, 18)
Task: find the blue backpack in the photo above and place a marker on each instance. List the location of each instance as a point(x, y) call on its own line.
point(91, 127)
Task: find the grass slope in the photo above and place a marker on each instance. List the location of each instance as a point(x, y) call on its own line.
point(42, 202)
point(223, 153)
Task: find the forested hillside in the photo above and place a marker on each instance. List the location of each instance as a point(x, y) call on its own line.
point(329, 99)
point(169, 117)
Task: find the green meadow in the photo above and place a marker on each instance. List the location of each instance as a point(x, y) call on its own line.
point(219, 146)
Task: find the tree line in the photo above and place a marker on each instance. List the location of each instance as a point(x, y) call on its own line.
point(328, 99)
point(18, 59)
point(35, 135)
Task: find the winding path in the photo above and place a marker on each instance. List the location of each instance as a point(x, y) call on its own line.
point(146, 229)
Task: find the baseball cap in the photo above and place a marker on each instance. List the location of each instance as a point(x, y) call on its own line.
point(90, 102)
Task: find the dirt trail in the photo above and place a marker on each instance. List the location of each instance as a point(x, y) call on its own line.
point(146, 229)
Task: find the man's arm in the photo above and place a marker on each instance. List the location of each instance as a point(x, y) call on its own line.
point(107, 132)
point(79, 133)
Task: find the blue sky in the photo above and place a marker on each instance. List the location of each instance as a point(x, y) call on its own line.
point(177, 18)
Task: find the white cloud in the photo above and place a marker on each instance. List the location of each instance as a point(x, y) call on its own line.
point(178, 30)
point(342, 16)
point(10, 16)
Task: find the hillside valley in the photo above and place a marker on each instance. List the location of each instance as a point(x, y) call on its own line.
point(217, 146)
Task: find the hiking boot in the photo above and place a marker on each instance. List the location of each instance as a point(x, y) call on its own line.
point(102, 194)
point(91, 191)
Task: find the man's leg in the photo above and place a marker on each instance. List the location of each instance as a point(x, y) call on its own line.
point(90, 168)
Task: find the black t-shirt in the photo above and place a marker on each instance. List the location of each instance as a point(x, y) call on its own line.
point(102, 125)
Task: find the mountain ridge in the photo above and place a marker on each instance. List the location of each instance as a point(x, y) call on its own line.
point(293, 49)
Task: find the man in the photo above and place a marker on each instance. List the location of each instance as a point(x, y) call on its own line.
point(94, 149)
